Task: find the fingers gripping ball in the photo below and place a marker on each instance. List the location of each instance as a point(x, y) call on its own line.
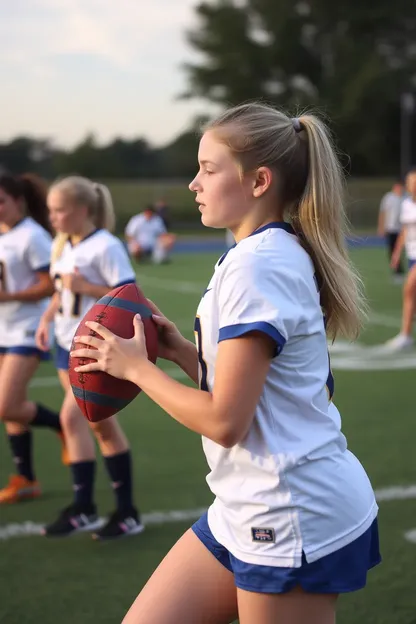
point(98, 394)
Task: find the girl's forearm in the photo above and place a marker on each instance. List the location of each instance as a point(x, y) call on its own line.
point(187, 360)
point(193, 408)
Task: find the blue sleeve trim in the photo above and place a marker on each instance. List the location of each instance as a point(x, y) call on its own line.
point(235, 331)
point(132, 280)
point(43, 269)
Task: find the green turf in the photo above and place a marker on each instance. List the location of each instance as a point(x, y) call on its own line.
point(78, 580)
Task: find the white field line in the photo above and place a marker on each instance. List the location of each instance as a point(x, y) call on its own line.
point(410, 536)
point(28, 528)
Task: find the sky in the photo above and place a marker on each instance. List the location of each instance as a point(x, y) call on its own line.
point(110, 67)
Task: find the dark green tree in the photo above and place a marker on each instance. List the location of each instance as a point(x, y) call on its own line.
point(349, 59)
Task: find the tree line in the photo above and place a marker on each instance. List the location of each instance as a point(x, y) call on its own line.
point(349, 60)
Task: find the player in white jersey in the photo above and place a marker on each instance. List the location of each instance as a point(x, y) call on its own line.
point(389, 225)
point(407, 240)
point(25, 286)
point(146, 235)
point(294, 521)
point(90, 262)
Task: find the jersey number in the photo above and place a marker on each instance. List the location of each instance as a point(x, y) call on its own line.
point(2, 276)
point(204, 370)
point(330, 383)
point(76, 303)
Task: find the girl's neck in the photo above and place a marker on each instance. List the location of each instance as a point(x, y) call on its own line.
point(6, 226)
point(88, 229)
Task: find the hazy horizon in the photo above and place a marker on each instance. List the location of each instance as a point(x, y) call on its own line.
point(95, 66)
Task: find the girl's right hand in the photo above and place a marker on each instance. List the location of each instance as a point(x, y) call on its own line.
point(171, 340)
point(42, 335)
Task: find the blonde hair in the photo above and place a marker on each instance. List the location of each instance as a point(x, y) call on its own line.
point(310, 188)
point(96, 197)
point(58, 245)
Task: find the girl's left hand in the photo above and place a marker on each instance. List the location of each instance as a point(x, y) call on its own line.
point(119, 357)
point(75, 282)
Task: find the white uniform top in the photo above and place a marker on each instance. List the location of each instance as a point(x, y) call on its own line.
point(101, 259)
point(145, 231)
point(24, 251)
point(408, 219)
point(290, 485)
point(391, 205)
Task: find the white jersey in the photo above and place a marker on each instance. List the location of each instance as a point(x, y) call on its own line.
point(24, 251)
point(290, 485)
point(145, 231)
point(408, 219)
point(101, 259)
point(391, 205)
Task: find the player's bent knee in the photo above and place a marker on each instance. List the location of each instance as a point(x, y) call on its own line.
point(103, 430)
point(9, 411)
point(72, 420)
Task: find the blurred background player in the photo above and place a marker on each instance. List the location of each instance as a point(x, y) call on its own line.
point(147, 236)
point(407, 239)
point(389, 223)
point(25, 285)
point(87, 262)
point(163, 210)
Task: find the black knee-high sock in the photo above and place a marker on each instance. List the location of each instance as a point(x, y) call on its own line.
point(120, 472)
point(21, 446)
point(83, 482)
point(45, 417)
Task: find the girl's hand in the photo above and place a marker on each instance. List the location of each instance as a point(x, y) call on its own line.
point(171, 340)
point(75, 282)
point(42, 335)
point(119, 357)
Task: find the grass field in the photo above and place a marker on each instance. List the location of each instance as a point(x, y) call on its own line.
point(77, 580)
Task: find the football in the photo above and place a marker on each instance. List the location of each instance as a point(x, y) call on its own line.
point(98, 394)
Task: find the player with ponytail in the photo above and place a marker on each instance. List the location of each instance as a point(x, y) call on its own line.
point(294, 520)
point(87, 262)
point(25, 286)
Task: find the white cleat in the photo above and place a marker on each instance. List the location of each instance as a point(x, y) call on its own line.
point(401, 342)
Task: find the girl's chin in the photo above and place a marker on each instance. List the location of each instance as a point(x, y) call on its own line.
point(210, 222)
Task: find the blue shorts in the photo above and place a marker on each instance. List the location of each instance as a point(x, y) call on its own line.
point(344, 570)
point(61, 358)
point(411, 263)
point(28, 351)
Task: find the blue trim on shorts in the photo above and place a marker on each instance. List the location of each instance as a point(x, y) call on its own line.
point(412, 263)
point(344, 570)
point(27, 351)
point(61, 358)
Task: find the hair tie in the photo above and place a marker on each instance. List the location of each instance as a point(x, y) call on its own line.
point(297, 124)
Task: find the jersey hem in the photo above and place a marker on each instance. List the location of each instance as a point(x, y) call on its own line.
point(295, 561)
point(330, 547)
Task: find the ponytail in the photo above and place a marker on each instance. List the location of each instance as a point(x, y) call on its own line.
point(96, 197)
point(309, 188)
point(320, 221)
point(104, 215)
point(33, 191)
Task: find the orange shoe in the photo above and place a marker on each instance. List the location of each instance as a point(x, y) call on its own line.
point(19, 489)
point(64, 452)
